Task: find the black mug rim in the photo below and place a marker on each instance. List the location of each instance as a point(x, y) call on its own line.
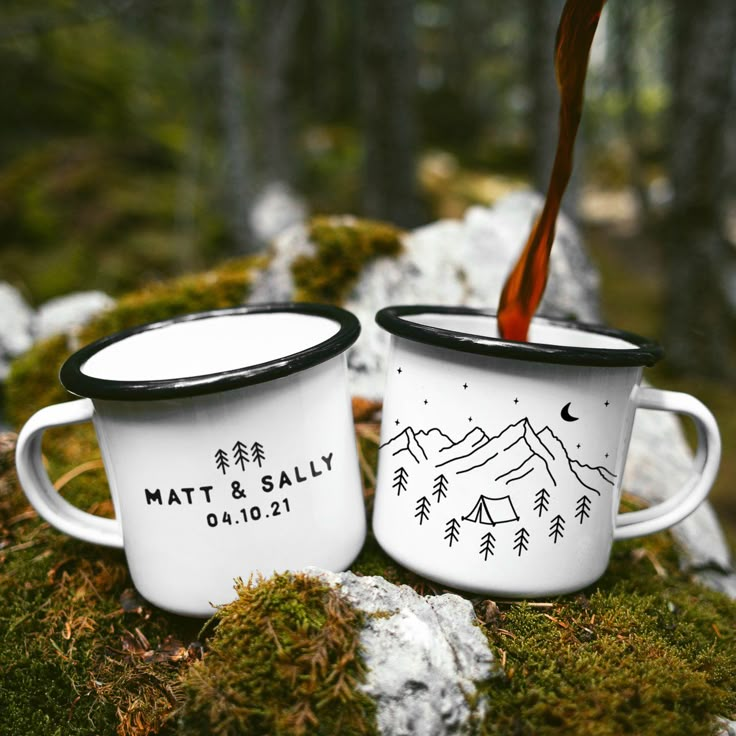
point(394, 320)
point(76, 381)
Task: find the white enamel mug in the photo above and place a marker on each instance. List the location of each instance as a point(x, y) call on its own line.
point(500, 463)
point(228, 443)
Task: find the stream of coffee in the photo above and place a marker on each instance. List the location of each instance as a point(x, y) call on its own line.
point(524, 287)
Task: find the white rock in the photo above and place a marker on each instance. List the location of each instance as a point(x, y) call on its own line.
point(423, 655)
point(449, 262)
point(276, 209)
point(16, 318)
point(66, 313)
point(658, 465)
point(728, 727)
point(466, 262)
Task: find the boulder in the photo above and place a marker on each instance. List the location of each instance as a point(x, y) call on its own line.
point(448, 262)
point(66, 313)
point(16, 326)
point(658, 466)
point(423, 654)
point(466, 262)
point(276, 209)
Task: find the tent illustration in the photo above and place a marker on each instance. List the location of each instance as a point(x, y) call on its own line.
point(492, 511)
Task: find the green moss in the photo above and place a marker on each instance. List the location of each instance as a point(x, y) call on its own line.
point(64, 665)
point(284, 660)
point(65, 654)
point(342, 249)
point(644, 651)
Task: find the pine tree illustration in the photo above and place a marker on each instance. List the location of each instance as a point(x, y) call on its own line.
point(452, 531)
point(582, 511)
point(422, 510)
point(521, 539)
point(240, 454)
point(541, 499)
point(221, 460)
point(400, 479)
point(440, 487)
point(258, 455)
point(487, 545)
point(557, 528)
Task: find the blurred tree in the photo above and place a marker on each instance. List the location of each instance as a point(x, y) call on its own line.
point(387, 87)
point(698, 321)
point(623, 38)
point(541, 20)
point(278, 21)
point(226, 28)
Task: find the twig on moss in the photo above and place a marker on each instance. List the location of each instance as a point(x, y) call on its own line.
point(78, 470)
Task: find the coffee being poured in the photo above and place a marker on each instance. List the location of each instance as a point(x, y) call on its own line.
point(525, 285)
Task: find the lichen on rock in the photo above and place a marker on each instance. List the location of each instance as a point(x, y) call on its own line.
point(423, 654)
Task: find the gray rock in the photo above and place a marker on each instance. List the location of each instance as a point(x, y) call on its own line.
point(423, 654)
point(66, 313)
point(466, 262)
point(276, 209)
point(448, 262)
point(658, 466)
point(16, 319)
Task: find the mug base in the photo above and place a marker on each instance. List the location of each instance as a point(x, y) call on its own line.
point(194, 603)
point(490, 587)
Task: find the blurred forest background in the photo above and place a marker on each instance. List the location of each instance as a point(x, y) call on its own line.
point(137, 138)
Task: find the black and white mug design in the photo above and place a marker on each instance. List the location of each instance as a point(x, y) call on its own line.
point(500, 463)
point(228, 444)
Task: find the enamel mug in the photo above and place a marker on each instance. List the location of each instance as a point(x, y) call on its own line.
point(500, 462)
point(228, 444)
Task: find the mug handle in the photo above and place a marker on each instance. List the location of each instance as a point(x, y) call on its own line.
point(705, 465)
point(40, 491)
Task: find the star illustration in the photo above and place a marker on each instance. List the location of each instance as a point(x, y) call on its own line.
point(516, 401)
point(465, 385)
point(398, 370)
point(606, 402)
point(425, 401)
point(397, 422)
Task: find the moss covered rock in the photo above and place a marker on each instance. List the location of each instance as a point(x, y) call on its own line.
point(645, 650)
point(284, 659)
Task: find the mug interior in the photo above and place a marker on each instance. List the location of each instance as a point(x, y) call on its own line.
point(539, 332)
point(470, 330)
point(210, 345)
point(208, 352)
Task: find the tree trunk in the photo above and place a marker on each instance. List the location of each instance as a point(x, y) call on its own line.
point(622, 39)
point(239, 192)
point(543, 17)
point(280, 18)
point(387, 87)
point(698, 323)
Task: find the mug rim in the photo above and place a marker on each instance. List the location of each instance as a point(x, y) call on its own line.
point(75, 380)
point(644, 353)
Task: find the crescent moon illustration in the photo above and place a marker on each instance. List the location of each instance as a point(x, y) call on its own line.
point(565, 413)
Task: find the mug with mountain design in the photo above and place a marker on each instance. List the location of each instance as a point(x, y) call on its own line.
point(500, 462)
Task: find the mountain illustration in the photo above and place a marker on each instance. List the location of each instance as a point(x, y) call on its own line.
point(418, 445)
point(517, 454)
